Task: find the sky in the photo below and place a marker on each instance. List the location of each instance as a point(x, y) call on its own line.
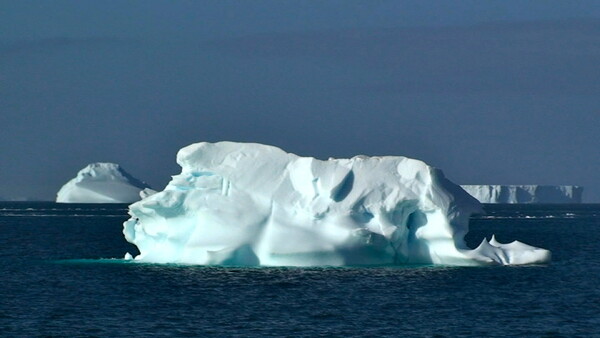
point(491, 92)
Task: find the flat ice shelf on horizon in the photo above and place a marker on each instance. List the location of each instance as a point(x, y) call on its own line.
point(252, 204)
point(516, 194)
point(103, 183)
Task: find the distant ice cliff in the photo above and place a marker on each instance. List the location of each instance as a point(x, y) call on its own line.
point(525, 193)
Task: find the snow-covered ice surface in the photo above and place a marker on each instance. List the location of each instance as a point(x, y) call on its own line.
point(525, 193)
point(103, 183)
point(147, 192)
point(253, 204)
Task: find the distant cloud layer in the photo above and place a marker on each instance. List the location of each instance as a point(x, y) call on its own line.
point(547, 57)
point(498, 103)
point(22, 46)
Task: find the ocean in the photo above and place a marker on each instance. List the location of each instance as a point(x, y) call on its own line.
point(62, 275)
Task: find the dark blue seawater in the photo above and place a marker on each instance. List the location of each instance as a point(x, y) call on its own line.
point(61, 275)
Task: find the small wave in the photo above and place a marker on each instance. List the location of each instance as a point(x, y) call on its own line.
point(29, 210)
point(59, 215)
point(94, 261)
point(559, 216)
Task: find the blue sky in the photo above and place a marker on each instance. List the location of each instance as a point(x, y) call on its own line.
point(492, 92)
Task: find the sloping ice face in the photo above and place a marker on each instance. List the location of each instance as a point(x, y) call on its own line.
point(102, 183)
point(253, 204)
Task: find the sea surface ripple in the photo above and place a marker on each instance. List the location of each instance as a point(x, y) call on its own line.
point(62, 275)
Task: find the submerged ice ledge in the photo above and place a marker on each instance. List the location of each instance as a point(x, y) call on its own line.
point(253, 204)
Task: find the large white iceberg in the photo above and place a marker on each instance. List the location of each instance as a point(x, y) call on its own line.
point(253, 204)
point(103, 183)
point(525, 193)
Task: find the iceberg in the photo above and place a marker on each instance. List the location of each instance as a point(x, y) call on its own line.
point(250, 204)
point(525, 193)
point(103, 183)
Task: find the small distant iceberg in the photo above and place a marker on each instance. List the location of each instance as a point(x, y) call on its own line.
point(514, 194)
point(103, 183)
